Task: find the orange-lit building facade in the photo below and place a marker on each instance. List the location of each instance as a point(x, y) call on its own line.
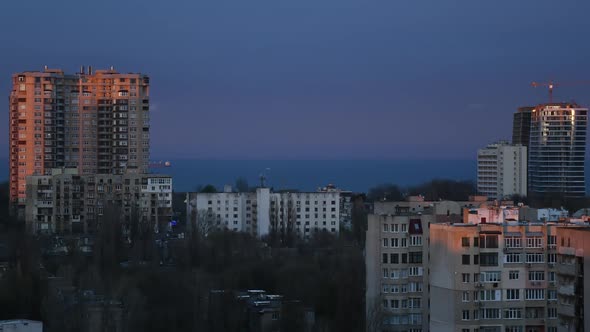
point(97, 122)
point(498, 277)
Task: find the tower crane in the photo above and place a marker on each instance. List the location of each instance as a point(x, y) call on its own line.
point(551, 85)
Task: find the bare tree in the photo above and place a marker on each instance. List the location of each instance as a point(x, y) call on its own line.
point(375, 315)
point(205, 222)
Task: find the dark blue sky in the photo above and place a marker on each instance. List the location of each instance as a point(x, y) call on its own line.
point(313, 79)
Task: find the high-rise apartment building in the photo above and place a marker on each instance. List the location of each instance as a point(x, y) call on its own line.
point(96, 121)
point(397, 258)
point(397, 280)
point(502, 170)
point(573, 274)
point(493, 277)
point(521, 126)
point(557, 149)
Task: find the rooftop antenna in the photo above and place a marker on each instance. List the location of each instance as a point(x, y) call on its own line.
point(263, 177)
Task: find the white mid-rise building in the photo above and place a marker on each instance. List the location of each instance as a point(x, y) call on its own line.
point(502, 170)
point(262, 211)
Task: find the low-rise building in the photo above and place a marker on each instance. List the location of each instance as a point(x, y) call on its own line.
point(491, 214)
point(21, 325)
point(527, 213)
point(255, 310)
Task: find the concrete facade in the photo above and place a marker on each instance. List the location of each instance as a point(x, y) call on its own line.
point(96, 121)
point(66, 202)
point(493, 277)
point(397, 280)
point(502, 170)
point(573, 272)
point(262, 211)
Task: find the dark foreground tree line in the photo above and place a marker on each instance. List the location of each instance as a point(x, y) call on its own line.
point(167, 287)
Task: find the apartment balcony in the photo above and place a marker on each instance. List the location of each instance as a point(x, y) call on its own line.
point(567, 269)
point(44, 204)
point(567, 290)
point(566, 310)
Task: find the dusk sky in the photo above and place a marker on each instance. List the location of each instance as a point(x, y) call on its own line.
point(313, 79)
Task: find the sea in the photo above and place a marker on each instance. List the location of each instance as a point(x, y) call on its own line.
point(309, 175)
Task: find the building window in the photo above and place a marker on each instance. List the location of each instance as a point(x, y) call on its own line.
point(512, 294)
point(513, 275)
point(535, 294)
point(552, 241)
point(490, 295)
point(488, 241)
point(513, 258)
point(384, 258)
point(394, 258)
point(416, 271)
point(488, 259)
point(535, 258)
point(465, 315)
point(513, 313)
point(534, 242)
point(465, 296)
point(394, 304)
point(465, 277)
point(513, 242)
point(465, 242)
point(416, 257)
point(465, 259)
point(491, 276)
point(536, 275)
point(416, 240)
point(514, 329)
point(489, 313)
